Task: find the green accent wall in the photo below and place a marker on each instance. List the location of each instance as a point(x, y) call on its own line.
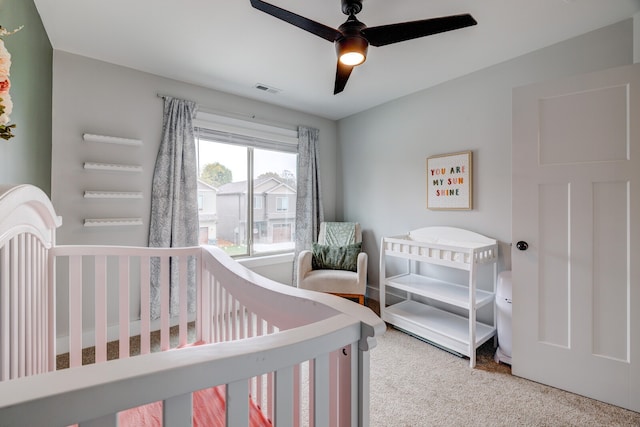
point(26, 158)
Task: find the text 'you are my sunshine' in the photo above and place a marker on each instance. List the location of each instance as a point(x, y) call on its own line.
point(447, 180)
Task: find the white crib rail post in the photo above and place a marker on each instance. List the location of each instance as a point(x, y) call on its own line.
point(177, 412)
point(123, 306)
point(347, 376)
point(237, 403)
point(75, 311)
point(283, 414)
point(145, 304)
point(100, 310)
point(364, 368)
point(321, 390)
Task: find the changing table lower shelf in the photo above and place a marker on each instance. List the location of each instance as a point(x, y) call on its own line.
point(438, 326)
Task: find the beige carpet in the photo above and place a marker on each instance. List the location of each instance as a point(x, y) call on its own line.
point(416, 384)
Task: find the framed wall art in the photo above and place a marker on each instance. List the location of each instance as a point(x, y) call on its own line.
point(449, 181)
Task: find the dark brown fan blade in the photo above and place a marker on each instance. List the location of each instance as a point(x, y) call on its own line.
point(342, 75)
point(394, 33)
point(306, 24)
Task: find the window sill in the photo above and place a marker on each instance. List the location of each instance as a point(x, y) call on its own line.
point(260, 261)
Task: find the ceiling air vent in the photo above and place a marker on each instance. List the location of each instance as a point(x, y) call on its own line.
point(266, 88)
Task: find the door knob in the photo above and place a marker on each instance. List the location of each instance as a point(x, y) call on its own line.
point(522, 245)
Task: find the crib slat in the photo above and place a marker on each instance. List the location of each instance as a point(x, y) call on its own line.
point(22, 307)
point(37, 300)
point(75, 311)
point(29, 309)
point(217, 315)
point(201, 302)
point(259, 380)
point(5, 318)
point(37, 317)
point(123, 269)
point(321, 390)
point(235, 321)
point(184, 288)
point(334, 398)
point(311, 390)
point(100, 303)
point(145, 303)
point(177, 411)
point(347, 396)
point(15, 308)
point(164, 303)
point(297, 413)
point(237, 403)
point(50, 310)
point(283, 414)
point(203, 329)
point(270, 384)
point(224, 315)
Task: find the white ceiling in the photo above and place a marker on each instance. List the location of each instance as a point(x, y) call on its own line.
point(230, 46)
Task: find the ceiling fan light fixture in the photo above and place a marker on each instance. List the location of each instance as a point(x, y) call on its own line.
point(352, 51)
point(352, 58)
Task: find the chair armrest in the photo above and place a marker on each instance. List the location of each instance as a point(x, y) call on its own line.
point(362, 268)
point(304, 265)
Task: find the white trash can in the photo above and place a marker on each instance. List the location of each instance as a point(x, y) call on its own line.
point(503, 318)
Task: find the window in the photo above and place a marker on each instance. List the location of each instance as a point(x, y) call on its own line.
point(253, 174)
point(282, 204)
point(257, 202)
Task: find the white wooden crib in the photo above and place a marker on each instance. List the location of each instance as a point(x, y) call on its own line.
point(297, 357)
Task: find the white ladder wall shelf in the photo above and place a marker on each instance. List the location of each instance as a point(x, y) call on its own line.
point(90, 194)
point(117, 168)
point(112, 167)
point(111, 139)
point(110, 222)
point(449, 247)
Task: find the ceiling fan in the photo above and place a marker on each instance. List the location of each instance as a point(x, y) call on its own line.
point(353, 38)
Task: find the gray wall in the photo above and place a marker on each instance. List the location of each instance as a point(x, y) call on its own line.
point(383, 151)
point(95, 97)
point(26, 158)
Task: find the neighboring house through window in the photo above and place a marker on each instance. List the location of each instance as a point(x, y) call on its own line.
point(250, 170)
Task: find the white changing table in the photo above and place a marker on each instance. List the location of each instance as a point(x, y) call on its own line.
point(449, 247)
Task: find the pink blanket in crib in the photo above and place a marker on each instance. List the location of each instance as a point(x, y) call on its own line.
point(208, 411)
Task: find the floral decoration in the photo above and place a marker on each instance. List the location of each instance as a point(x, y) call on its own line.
point(6, 105)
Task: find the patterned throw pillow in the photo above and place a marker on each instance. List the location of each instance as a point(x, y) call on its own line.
point(327, 257)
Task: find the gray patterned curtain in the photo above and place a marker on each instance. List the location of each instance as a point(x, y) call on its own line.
point(174, 199)
point(309, 211)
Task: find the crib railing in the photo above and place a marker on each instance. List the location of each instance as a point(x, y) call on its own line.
point(299, 358)
point(302, 356)
point(172, 376)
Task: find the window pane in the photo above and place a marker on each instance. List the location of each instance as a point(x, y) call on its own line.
point(223, 186)
point(275, 185)
point(224, 203)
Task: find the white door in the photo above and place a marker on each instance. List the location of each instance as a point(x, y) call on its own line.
point(576, 195)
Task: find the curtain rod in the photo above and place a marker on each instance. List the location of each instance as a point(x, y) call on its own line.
point(236, 115)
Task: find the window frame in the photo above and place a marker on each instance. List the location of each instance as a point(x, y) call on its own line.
point(282, 199)
point(252, 135)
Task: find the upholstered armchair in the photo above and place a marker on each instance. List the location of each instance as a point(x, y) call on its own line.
point(336, 264)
